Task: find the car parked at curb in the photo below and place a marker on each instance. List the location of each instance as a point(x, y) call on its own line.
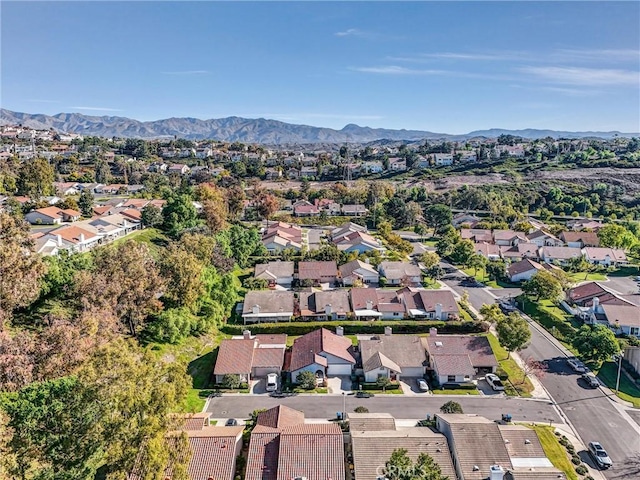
point(590, 379)
point(600, 455)
point(576, 365)
point(272, 382)
point(494, 382)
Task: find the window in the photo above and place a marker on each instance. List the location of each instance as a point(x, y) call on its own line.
point(635, 331)
point(451, 378)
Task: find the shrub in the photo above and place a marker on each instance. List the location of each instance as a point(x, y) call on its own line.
point(451, 407)
point(361, 409)
point(575, 459)
point(459, 386)
point(306, 380)
point(375, 386)
point(581, 470)
point(231, 381)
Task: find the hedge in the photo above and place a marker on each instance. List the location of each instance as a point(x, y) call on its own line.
point(459, 386)
point(354, 327)
point(375, 386)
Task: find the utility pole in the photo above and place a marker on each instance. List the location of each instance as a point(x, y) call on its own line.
point(619, 369)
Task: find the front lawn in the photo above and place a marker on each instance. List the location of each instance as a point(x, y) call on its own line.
point(481, 276)
point(518, 383)
point(554, 451)
point(452, 391)
point(320, 390)
point(556, 321)
point(629, 391)
point(578, 277)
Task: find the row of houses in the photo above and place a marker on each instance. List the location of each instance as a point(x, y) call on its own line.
point(310, 273)
point(285, 445)
point(304, 208)
point(538, 237)
point(451, 359)
point(261, 306)
point(75, 188)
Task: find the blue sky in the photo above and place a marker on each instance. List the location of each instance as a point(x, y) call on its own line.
point(441, 66)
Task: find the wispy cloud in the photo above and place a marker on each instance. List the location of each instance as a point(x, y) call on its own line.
point(468, 56)
point(610, 55)
point(584, 76)
point(350, 32)
point(187, 72)
point(298, 116)
point(397, 70)
point(98, 109)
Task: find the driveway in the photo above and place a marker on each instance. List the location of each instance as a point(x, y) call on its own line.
point(258, 386)
point(409, 386)
point(486, 389)
point(623, 285)
point(313, 238)
point(339, 384)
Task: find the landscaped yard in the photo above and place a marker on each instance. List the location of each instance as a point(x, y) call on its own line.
point(554, 451)
point(518, 383)
point(555, 320)
point(453, 391)
point(587, 277)
point(628, 390)
point(481, 276)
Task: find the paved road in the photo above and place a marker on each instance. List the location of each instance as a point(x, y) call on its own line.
point(593, 415)
point(623, 285)
point(326, 406)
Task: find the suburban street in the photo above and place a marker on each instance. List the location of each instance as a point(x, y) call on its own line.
point(593, 415)
point(400, 406)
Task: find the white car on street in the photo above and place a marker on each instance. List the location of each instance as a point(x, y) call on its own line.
point(494, 382)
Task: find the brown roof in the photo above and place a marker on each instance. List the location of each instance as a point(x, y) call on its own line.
point(316, 302)
point(132, 213)
point(72, 233)
point(370, 422)
point(274, 270)
point(307, 348)
point(597, 253)
point(234, 357)
point(71, 213)
point(453, 365)
point(588, 239)
point(371, 449)
point(477, 444)
point(562, 253)
point(419, 298)
point(521, 442)
point(622, 315)
point(523, 266)
point(477, 348)
point(102, 210)
point(315, 270)
point(268, 357)
point(52, 212)
point(262, 457)
point(403, 350)
point(196, 421)
point(280, 417)
point(586, 291)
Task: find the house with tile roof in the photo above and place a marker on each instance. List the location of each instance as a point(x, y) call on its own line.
point(429, 304)
point(316, 272)
point(375, 303)
point(51, 216)
point(374, 438)
point(321, 352)
point(481, 449)
point(508, 237)
point(276, 273)
point(358, 241)
point(458, 358)
point(304, 208)
point(267, 306)
point(358, 271)
point(559, 255)
point(280, 236)
point(250, 356)
point(525, 269)
point(324, 305)
point(519, 251)
point(401, 273)
point(580, 239)
point(283, 447)
point(487, 250)
point(543, 238)
point(392, 356)
point(213, 450)
point(605, 256)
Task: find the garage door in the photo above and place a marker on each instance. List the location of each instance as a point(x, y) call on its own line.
point(339, 369)
point(262, 372)
point(412, 372)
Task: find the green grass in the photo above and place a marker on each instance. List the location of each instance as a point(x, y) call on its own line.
point(629, 391)
point(481, 276)
point(554, 450)
point(198, 354)
point(555, 320)
point(510, 368)
point(319, 390)
point(151, 236)
point(452, 391)
point(587, 277)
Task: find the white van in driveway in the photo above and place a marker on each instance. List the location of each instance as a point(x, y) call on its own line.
point(272, 382)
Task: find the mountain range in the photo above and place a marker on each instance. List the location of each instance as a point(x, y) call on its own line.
point(248, 130)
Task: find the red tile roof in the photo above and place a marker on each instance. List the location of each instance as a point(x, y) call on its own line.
point(234, 357)
point(307, 348)
point(476, 347)
point(280, 417)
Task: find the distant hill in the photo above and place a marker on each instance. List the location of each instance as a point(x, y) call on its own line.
point(260, 130)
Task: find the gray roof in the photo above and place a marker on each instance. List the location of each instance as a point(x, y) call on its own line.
point(268, 302)
point(317, 302)
point(371, 449)
point(477, 348)
point(348, 268)
point(362, 422)
point(274, 270)
point(402, 350)
point(399, 270)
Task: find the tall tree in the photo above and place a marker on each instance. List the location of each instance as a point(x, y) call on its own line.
point(35, 179)
point(543, 285)
point(597, 343)
point(438, 216)
point(151, 216)
point(85, 202)
point(266, 205)
point(179, 214)
point(126, 280)
point(430, 259)
point(513, 332)
point(20, 268)
point(183, 271)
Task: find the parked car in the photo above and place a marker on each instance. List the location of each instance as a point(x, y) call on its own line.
point(364, 395)
point(590, 379)
point(576, 365)
point(600, 455)
point(494, 381)
point(422, 385)
point(272, 382)
point(232, 422)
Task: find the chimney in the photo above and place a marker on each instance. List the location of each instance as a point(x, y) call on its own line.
point(246, 334)
point(82, 238)
point(255, 309)
point(59, 240)
point(433, 332)
point(340, 331)
point(596, 302)
point(438, 310)
point(327, 309)
point(387, 331)
point(369, 305)
point(496, 472)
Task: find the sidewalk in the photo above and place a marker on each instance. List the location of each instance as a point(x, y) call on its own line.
point(567, 431)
